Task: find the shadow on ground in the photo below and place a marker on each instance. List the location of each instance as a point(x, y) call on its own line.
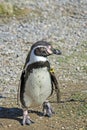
point(15, 113)
point(11, 113)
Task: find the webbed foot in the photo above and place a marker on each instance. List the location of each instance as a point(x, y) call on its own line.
point(47, 109)
point(26, 119)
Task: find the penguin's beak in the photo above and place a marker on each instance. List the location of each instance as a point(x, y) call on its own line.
point(51, 50)
point(56, 51)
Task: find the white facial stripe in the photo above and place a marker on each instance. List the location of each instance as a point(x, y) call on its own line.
point(38, 47)
point(34, 58)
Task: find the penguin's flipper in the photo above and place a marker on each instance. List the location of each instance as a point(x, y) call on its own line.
point(20, 88)
point(56, 85)
point(18, 93)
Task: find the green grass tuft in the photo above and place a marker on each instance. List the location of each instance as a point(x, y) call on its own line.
point(9, 10)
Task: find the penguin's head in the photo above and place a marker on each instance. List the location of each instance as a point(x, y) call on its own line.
point(40, 50)
point(43, 48)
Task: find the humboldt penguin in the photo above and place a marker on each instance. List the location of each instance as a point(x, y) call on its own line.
point(37, 82)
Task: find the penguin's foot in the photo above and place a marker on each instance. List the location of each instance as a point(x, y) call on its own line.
point(26, 119)
point(47, 109)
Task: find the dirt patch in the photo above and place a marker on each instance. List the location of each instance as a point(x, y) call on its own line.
point(70, 114)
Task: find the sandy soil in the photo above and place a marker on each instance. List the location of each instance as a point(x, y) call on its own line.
point(70, 113)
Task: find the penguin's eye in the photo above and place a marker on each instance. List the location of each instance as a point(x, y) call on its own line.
point(44, 51)
point(37, 51)
point(41, 51)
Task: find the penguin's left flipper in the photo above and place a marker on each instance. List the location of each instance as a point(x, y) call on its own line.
point(56, 85)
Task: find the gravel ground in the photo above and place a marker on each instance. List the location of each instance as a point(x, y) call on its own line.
point(64, 24)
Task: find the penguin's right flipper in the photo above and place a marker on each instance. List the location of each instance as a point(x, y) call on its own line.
point(20, 88)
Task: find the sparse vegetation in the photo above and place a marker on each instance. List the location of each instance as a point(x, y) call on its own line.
point(9, 10)
point(6, 9)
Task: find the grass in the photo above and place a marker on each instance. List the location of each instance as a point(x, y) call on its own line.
point(9, 10)
point(78, 96)
point(74, 106)
point(76, 57)
point(6, 9)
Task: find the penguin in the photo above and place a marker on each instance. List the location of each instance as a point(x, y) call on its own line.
point(37, 82)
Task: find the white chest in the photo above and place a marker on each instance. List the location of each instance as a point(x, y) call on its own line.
point(38, 86)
